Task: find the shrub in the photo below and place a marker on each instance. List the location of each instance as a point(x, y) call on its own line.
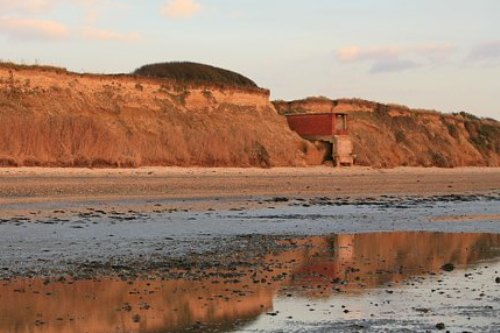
point(467, 115)
point(260, 156)
point(400, 136)
point(382, 110)
point(483, 136)
point(6, 161)
point(440, 160)
point(189, 72)
point(208, 94)
point(453, 130)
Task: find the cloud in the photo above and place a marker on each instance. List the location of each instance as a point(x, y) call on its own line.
point(395, 58)
point(27, 8)
point(181, 8)
point(32, 6)
point(91, 16)
point(28, 29)
point(40, 5)
point(435, 52)
point(393, 65)
point(108, 35)
point(86, 2)
point(485, 51)
point(356, 53)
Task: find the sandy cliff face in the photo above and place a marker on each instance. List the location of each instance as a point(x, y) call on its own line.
point(392, 135)
point(51, 117)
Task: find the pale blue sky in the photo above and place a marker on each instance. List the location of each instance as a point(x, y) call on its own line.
point(441, 54)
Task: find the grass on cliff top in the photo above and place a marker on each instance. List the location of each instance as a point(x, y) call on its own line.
point(184, 73)
point(188, 72)
point(45, 68)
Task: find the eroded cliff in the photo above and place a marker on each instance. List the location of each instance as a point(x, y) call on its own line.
point(394, 135)
point(51, 117)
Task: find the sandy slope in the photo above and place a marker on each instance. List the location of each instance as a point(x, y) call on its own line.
point(394, 135)
point(56, 118)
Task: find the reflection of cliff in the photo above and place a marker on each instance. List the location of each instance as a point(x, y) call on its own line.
point(315, 268)
point(104, 306)
point(371, 260)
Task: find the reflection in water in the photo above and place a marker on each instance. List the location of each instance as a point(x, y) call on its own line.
point(317, 267)
point(371, 260)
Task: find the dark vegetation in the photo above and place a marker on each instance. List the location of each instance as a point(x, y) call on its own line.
point(484, 136)
point(453, 130)
point(440, 160)
point(188, 72)
point(400, 136)
point(180, 73)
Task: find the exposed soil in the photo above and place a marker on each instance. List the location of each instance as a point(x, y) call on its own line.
point(57, 118)
point(51, 117)
point(394, 135)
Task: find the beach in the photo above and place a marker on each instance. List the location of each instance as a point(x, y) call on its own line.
point(249, 250)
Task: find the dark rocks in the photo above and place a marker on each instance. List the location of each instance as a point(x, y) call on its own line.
point(280, 199)
point(449, 267)
point(440, 326)
point(39, 322)
point(126, 307)
point(497, 280)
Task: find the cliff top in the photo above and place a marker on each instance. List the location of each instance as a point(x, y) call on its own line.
point(195, 73)
point(358, 104)
point(177, 73)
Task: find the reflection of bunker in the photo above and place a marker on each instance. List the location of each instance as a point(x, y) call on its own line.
point(328, 129)
point(345, 248)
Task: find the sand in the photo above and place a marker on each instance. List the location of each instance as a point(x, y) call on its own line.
point(48, 184)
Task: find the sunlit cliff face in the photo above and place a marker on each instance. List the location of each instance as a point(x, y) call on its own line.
point(127, 121)
point(318, 267)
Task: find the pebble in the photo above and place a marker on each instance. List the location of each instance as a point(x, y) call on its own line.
point(440, 326)
point(449, 267)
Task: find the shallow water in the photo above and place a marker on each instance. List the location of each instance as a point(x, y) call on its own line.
point(384, 281)
point(32, 246)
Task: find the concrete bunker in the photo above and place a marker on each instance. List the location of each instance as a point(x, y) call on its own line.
point(328, 130)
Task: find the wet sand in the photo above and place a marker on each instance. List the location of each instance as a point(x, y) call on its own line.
point(41, 184)
point(200, 250)
point(23, 188)
point(337, 283)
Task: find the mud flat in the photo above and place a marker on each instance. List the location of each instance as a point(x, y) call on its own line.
point(212, 250)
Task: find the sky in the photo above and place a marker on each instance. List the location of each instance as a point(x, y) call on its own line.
point(434, 54)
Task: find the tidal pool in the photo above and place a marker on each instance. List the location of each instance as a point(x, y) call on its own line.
point(385, 281)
